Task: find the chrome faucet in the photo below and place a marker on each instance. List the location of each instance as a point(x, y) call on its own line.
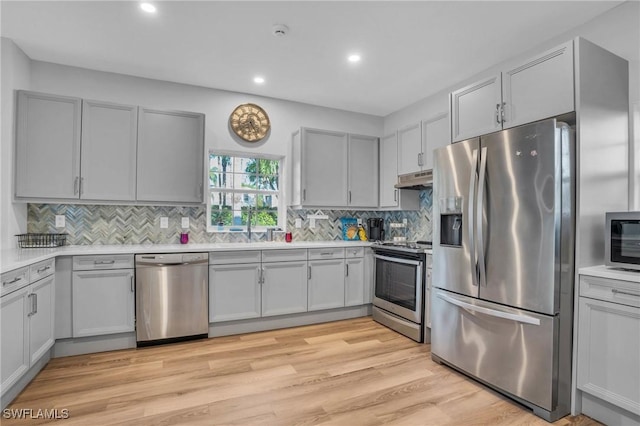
point(249, 222)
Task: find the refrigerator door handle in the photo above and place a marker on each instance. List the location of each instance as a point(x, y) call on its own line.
point(472, 239)
point(491, 312)
point(479, 216)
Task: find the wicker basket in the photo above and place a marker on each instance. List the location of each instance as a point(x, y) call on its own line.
point(41, 240)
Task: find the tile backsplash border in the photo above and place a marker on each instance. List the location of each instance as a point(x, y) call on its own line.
point(113, 224)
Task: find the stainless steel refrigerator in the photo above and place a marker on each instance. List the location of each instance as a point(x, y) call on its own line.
point(503, 262)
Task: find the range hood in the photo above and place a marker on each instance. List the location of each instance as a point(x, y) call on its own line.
point(417, 181)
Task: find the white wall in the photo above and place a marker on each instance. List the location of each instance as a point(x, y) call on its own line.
point(15, 69)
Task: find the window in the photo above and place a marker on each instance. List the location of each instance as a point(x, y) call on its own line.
point(237, 183)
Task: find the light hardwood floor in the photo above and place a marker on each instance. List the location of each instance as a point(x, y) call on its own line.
point(353, 372)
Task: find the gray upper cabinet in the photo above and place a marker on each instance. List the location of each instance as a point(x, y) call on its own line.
point(410, 149)
point(538, 88)
point(170, 156)
point(108, 166)
point(435, 134)
point(475, 109)
point(392, 198)
point(334, 169)
point(363, 176)
point(47, 146)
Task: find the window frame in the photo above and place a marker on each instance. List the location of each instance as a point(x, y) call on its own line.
point(281, 194)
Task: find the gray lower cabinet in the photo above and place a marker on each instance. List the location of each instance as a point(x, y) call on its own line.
point(284, 287)
point(170, 156)
point(234, 292)
point(103, 298)
point(27, 322)
point(609, 343)
point(326, 284)
point(354, 282)
point(14, 341)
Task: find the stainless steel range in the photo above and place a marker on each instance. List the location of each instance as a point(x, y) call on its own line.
point(398, 302)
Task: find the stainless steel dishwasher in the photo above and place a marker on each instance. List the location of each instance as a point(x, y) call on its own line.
point(171, 297)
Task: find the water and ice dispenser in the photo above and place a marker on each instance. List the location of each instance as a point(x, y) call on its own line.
point(451, 221)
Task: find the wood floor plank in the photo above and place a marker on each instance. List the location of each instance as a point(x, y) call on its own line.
point(353, 372)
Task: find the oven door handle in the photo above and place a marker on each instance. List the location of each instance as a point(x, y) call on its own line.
point(398, 260)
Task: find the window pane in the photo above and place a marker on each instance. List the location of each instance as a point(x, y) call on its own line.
point(248, 181)
point(268, 167)
point(269, 202)
point(268, 182)
point(266, 218)
point(221, 180)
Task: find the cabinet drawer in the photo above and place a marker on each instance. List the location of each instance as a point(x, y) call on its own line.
point(230, 257)
point(116, 261)
point(14, 280)
point(352, 252)
point(326, 253)
point(284, 255)
point(42, 269)
point(616, 291)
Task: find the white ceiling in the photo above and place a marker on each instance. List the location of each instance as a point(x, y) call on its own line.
point(409, 49)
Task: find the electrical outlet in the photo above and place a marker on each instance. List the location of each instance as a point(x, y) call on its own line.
point(359, 222)
point(185, 222)
point(312, 223)
point(404, 221)
point(60, 221)
point(298, 223)
point(164, 222)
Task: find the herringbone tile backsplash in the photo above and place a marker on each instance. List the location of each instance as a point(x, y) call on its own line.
point(97, 224)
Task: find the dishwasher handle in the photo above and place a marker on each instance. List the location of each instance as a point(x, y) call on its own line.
point(171, 259)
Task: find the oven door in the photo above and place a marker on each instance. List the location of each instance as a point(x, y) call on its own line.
point(398, 286)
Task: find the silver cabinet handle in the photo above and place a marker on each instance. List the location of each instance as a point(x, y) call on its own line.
point(304, 194)
point(261, 276)
point(616, 291)
point(30, 301)
point(35, 303)
point(75, 185)
point(349, 197)
point(43, 269)
point(104, 262)
point(326, 253)
point(132, 288)
point(498, 114)
point(395, 195)
point(504, 104)
point(346, 270)
point(13, 281)
point(309, 272)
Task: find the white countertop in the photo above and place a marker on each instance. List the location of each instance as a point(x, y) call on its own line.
point(602, 271)
point(11, 259)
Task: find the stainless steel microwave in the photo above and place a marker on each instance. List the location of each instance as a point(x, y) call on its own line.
point(622, 240)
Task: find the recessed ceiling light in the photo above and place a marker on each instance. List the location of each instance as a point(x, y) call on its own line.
point(354, 58)
point(258, 80)
point(148, 7)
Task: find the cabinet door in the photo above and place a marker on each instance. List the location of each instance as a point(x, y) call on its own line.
point(234, 292)
point(410, 149)
point(14, 340)
point(41, 322)
point(354, 282)
point(363, 171)
point(388, 170)
point(47, 146)
point(326, 284)
point(540, 88)
point(108, 166)
point(324, 168)
point(475, 109)
point(435, 134)
point(427, 299)
point(284, 288)
point(170, 156)
point(103, 302)
point(608, 352)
